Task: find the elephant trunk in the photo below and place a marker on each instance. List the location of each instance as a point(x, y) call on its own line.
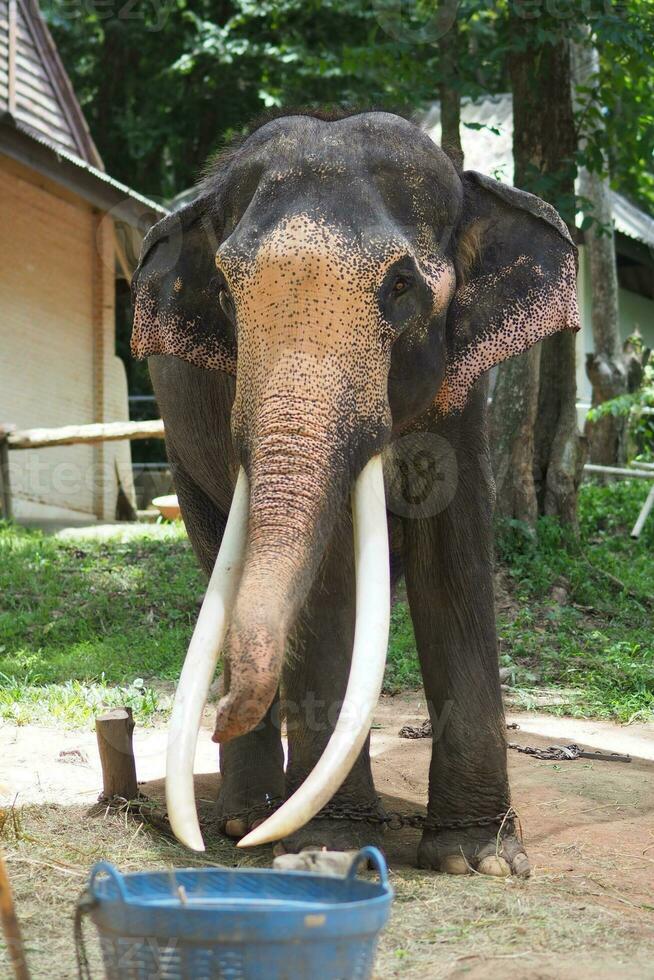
point(294, 486)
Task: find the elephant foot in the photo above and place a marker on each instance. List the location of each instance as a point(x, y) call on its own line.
point(334, 835)
point(473, 849)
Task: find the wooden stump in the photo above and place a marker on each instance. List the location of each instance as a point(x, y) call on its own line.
point(114, 733)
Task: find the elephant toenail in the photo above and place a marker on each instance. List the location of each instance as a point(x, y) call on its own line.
point(455, 864)
point(236, 828)
point(521, 866)
point(495, 866)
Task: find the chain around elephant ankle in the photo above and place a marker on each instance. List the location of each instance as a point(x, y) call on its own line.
point(393, 819)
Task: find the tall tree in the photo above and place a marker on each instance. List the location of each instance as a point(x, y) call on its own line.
point(449, 53)
point(605, 366)
point(537, 452)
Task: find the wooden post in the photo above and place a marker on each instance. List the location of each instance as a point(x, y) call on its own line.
point(5, 486)
point(10, 925)
point(646, 510)
point(114, 733)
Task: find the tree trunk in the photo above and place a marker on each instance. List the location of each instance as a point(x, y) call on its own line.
point(605, 367)
point(559, 451)
point(450, 93)
point(512, 419)
point(538, 466)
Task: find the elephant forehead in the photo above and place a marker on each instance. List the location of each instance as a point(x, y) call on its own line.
point(310, 248)
point(310, 281)
point(306, 267)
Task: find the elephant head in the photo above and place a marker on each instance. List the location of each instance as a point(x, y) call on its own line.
point(352, 280)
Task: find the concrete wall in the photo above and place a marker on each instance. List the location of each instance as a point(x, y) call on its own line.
point(57, 361)
point(635, 311)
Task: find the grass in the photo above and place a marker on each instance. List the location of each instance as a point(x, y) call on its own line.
point(87, 623)
point(76, 702)
point(597, 646)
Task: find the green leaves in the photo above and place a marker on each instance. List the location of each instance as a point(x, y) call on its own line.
point(165, 84)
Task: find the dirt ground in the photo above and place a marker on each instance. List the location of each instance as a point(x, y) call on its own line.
point(587, 912)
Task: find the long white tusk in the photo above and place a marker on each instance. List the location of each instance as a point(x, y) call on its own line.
point(373, 604)
point(198, 670)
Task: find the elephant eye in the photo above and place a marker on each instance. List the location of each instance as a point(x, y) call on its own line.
point(400, 285)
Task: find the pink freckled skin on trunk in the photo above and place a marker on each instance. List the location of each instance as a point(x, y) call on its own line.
point(291, 489)
point(254, 683)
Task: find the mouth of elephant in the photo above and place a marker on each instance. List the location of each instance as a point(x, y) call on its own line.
point(249, 621)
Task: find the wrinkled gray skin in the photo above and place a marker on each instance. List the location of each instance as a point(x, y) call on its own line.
point(375, 179)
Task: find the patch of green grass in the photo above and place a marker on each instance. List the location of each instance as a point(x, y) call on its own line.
point(597, 649)
point(82, 620)
point(87, 623)
point(402, 667)
point(597, 646)
point(76, 703)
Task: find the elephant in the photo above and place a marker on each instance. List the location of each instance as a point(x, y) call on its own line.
point(323, 316)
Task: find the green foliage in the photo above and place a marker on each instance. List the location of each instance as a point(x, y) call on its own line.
point(165, 84)
point(76, 703)
point(626, 96)
point(637, 407)
point(402, 667)
point(595, 651)
point(165, 88)
point(597, 647)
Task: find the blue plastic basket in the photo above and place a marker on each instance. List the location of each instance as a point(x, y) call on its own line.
point(242, 924)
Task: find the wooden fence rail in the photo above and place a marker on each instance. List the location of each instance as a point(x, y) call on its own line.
point(66, 435)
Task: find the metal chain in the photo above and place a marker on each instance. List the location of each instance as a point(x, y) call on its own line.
point(567, 753)
point(558, 753)
point(393, 819)
point(268, 806)
point(416, 731)
point(85, 903)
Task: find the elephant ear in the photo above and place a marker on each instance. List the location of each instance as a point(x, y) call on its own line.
point(176, 291)
point(519, 284)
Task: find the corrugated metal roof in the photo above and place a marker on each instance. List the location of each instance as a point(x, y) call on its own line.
point(104, 191)
point(487, 142)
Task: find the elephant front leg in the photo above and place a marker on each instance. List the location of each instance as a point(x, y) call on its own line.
point(450, 590)
point(252, 776)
